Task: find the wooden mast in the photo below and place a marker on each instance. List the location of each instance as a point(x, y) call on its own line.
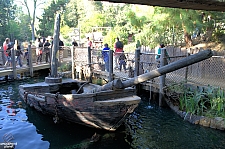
point(54, 77)
point(55, 47)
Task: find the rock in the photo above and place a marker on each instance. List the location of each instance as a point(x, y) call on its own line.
point(194, 119)
point(205, 121)
point(218, 123)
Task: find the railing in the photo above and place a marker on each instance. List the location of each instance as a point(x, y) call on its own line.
point(65, 52)
point(208, 72)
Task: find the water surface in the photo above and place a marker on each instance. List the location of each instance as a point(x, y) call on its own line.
point(149, 127)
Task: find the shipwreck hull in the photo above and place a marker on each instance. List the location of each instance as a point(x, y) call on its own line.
point(105, 110)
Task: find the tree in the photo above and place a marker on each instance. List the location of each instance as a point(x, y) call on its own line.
point(71, 17)
point(23, 32)
point(32, 15)
point(7, 15)
point(46, 25)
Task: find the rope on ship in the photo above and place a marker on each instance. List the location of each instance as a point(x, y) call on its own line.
point(56, 118)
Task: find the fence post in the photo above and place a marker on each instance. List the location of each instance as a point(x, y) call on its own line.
point(30, 60)
point(110, 65)
point(72, 56)
point(186, 70)
point(3, 56)
point(163, 61)
point(137, 61)
point(89, 64)
point(13, 63)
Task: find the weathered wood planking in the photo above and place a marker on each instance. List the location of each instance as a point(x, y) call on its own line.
point(19, 70)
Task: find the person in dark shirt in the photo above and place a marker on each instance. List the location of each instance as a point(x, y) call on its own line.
point(19, 53)
point(26, 56)
point(61, 44)
point(118, 46)
point(74, 43)
point(47, 50)
point(122, 61)
point(105, 55)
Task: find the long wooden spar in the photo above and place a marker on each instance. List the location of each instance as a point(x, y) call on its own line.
point(118, 84)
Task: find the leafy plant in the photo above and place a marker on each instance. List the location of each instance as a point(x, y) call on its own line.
point(208, 101)
point(65, 67)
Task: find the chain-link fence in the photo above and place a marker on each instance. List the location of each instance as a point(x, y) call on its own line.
point(207, 72)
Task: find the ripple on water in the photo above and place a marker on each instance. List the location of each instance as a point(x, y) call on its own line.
point(14, 126)
point(161, 128)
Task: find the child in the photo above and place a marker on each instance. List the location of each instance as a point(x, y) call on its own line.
point(26, 55)
point(122, 61)
point(105, 55)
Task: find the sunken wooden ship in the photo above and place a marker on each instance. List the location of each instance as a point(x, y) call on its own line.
point(105, 110)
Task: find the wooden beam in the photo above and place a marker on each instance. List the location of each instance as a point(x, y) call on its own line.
point(211, 5)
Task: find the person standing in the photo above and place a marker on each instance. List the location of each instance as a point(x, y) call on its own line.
point(157, 57)
point(19, 53)
point(138, 45)
point(89, 45)
point(118, 51)
point(61, 44)
point(74, 43)
point(7, 52)
point(47, 50)
point(105, 55)
point(39, 47)
point(123, 61)
point(26, 56)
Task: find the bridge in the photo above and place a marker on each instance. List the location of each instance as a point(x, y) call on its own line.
point(211, 5)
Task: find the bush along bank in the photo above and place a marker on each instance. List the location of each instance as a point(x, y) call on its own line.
point(198, 105)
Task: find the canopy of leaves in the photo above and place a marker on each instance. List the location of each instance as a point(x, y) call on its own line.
point(150, 25)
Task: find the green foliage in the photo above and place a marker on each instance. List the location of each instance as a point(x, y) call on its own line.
point(7, 15)
point(136, 22)
point(150, 25)
point(130, 48)
point(47, 20)
point(71, 17)
point(207, 101)
point(65, 67)
point(98, 6)
point(110, 38)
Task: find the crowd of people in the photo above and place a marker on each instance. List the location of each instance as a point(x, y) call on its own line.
point(7, 48)
point(43, 46)
point(120, 60)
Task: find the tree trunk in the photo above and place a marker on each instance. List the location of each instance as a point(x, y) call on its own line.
point(33, 34)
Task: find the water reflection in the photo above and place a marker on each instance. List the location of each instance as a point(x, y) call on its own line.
point(14, 126)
